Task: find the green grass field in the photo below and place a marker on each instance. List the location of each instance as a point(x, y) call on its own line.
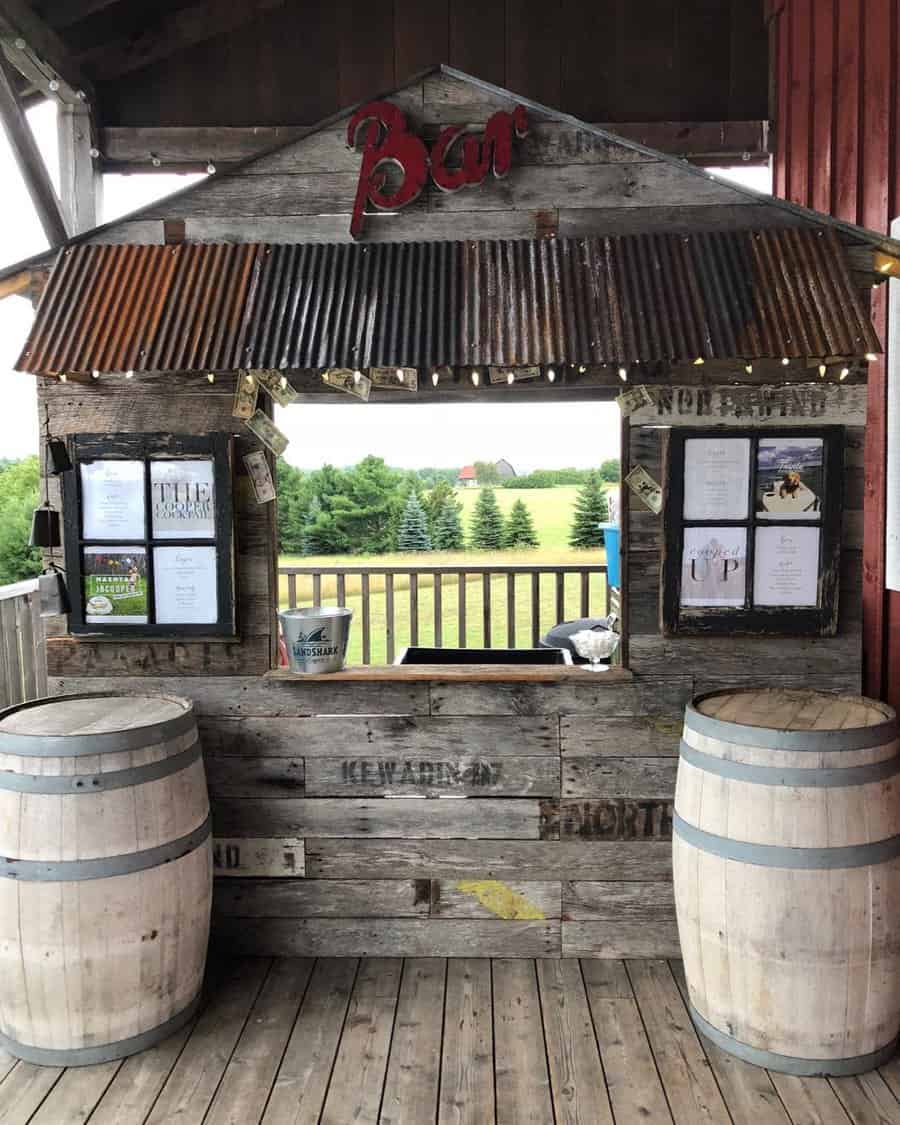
point(551, 510)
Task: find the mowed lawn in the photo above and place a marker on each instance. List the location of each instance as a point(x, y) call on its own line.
point(551, 510)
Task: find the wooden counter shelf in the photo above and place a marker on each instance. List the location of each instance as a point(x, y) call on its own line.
point(461, 673)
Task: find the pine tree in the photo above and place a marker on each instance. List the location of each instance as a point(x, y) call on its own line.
point(448, 532)
point(519, 528)
point(441, 494)
point(310, 537)
point(413, 534)
point(487, 522)
point(591, 509)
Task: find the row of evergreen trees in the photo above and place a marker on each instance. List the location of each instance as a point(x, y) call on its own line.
point(489, 531)
point(372, 509)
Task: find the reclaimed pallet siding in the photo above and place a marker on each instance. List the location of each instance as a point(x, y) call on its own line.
point(479, 818)
point(383, 937)
point(425, 737)
point(627, 861)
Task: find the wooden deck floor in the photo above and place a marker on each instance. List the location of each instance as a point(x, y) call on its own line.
point(468, 1042)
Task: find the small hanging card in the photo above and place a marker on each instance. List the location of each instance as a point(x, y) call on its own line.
point(645, 488)
point(267, 432)
point(276, 387)
point(260, 476)
point(245, 395)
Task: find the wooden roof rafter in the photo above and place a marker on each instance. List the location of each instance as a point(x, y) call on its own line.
point(41, 56)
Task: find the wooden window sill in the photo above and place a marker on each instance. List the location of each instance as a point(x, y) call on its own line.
point(460, 673)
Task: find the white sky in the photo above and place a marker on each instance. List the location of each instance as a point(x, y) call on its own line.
point(410, 436)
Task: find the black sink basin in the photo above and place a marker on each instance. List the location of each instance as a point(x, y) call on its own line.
point(417, 654)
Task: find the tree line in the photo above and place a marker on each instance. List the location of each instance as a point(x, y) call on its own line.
point(371, 508)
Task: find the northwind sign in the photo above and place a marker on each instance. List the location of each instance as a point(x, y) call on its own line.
point(457, 159)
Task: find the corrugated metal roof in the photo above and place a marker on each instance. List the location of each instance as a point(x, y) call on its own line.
point(635, 298)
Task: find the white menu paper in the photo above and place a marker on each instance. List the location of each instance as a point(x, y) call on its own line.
point(714, 566)
point(716, 478)
point(184, 582)
point(112, 499)
point(786, 566)
point(183, 499)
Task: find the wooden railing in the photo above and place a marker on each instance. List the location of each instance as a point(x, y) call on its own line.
point(23, 657)
point(502, 606)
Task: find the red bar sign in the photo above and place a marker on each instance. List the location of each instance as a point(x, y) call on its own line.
point(457, 159)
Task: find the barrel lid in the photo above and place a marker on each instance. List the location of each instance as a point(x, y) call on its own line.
point(73, 725)
point(792, 718)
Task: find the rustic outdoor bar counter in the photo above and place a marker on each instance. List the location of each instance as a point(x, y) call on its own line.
point(436, 810)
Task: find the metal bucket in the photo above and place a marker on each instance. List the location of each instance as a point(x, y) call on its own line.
point(316, 637)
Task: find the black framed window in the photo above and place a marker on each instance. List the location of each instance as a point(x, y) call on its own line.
point(149, 535)
point(752, 530)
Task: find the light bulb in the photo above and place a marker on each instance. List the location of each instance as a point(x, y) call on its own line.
point(623, 374)
point(551, 374)
point(435, 378)
point(155, 160)
point(357, 375)
point(284, 382)
point(885, 267)
point(129, 374)
point(699, 361)
point(581, 369)
point(210, 378)
point(400, 374)
point(510, 378)
point(95, 374)
point(871, 357)
point(249, 379)
point(475, 378)
point(211, 168)
point(845, 371)
point(785, 361)
point(748, 367)
point(63, 377)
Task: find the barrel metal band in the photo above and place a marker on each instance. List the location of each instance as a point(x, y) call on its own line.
point(80, 784)
point(76, 870)
point(774, 855)
point(104, 1052)
point(801, 778)
point(792, 1064)
point(80, 745)
point(770, 738)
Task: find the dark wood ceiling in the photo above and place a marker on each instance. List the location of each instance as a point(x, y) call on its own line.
point(290, 62)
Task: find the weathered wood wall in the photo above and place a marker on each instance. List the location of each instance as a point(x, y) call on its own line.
point(564, 181)
point(333, 836)
point(188, 405)
point(562, 845)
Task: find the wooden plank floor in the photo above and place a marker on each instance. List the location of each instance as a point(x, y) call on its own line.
point(425, 1041)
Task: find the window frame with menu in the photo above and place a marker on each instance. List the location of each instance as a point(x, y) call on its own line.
point(786, 620)
point(148, 449)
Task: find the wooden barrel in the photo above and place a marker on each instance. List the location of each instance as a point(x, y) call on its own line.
point(105, 875)
point(787, 877)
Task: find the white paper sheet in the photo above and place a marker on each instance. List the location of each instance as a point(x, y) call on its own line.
point(184, 582)
point(183, 499)
point(714, 566)
point(112, 499)
point(786, 566)
point(716, 478)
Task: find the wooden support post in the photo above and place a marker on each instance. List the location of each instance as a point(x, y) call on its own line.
point(81, 184)
point(28, 158)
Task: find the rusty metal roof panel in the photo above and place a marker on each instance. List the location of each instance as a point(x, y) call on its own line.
point(620, 300)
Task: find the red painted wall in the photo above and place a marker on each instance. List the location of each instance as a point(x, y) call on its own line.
point(836, 89)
